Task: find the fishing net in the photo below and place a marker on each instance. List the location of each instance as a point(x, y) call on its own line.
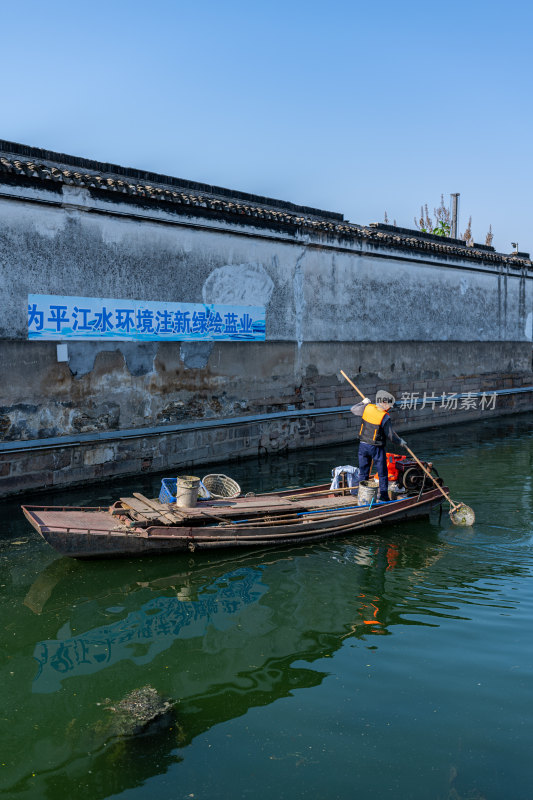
point(462, 515)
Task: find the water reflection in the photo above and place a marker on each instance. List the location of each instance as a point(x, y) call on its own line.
point(219, 636)
point(146, 632)
point(224, 635)
point(210, 602)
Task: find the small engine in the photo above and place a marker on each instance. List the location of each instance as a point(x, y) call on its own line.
point(407, 474)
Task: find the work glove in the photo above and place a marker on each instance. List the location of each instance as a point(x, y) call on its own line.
point(366, 401)
point(403, 443)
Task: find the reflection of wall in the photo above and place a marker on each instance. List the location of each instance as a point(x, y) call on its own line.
point(143, 634)
point(240, 621)
point(399, 312)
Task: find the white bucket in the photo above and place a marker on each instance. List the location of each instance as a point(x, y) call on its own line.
point(368, 491)
point(394, 490)
point(187, 491)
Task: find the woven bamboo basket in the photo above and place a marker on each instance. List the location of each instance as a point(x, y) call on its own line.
point(221, 486)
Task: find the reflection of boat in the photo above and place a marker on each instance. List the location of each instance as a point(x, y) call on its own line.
point(139, 526)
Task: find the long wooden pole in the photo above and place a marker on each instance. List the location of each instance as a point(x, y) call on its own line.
point(437, 484)
point(352, 384)
point(428, 473)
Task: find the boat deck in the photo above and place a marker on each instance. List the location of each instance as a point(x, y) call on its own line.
point(131, 515)
point(241, 506)
point(72, 520)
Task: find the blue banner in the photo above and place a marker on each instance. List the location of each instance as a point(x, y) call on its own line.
point(52, 317)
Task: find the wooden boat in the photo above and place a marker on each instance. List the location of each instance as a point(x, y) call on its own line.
point(135, 526)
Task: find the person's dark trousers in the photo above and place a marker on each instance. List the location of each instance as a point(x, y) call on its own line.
point(367, 454)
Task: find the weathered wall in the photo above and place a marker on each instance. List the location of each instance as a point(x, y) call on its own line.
point(169, 383)
point(186, 446)
point(315, 288)
point(405, 313)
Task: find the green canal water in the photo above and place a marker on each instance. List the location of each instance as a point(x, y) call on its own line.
point(391, 664)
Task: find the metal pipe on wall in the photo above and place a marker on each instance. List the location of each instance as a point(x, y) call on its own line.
point(454, 215)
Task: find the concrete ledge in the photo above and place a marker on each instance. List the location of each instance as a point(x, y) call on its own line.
point(36, 466)
point(198, 425)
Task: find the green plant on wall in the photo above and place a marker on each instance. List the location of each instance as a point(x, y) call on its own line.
point(442, 229)
point(440, 226)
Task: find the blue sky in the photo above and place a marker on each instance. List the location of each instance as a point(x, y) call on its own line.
point(348, 106)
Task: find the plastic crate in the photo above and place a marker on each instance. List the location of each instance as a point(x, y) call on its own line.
point(168, 490)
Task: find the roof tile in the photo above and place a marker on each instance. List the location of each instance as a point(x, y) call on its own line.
point(160, 194)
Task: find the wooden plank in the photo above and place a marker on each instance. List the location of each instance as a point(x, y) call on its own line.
point(131, 502)
point(275, 506)
point(171, 516)
point(246, 502)
point(272, 507)
point(144, 513)
point(140, 514)
point(137, 505)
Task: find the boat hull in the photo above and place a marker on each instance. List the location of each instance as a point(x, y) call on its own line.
point(95, 533)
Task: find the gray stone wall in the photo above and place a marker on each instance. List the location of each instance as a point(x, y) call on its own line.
point(186, 451)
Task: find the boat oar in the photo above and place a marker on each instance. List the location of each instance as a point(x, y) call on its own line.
point(460, 513)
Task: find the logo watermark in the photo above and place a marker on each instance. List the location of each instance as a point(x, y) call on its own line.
point(449, 401)
point(382, 396)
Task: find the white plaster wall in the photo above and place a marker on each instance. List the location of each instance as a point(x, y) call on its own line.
point(365, 299)
point(320, 289)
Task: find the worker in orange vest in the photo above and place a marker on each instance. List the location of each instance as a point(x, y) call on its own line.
point(375, 429)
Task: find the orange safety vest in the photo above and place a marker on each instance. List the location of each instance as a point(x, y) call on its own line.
point(371, 431)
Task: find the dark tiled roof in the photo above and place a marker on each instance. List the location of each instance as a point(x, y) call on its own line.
point(41, 156)
point(244, 212)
